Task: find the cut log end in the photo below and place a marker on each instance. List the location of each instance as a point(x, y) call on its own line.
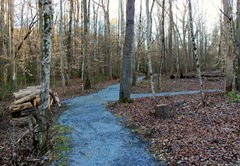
point(162, 111)
point(26, 99)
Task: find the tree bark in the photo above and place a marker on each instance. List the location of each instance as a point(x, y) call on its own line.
point(61, 48)
point(69, 41)
point(238, 45)
point(2, 36)
point(40, 28)
point(229, 45)
point(170, 36)
point(85, 64)
point(149, 43)
point(45, 83)
point(95, 42)
point(108, 60)
point(196, 54)
point(11, 41)
point(124, 94)
point(162, 61)
point(139, 38)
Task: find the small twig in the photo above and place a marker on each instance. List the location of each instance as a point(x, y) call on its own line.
point(23, 135)
point(85, 154)
point(34, 160)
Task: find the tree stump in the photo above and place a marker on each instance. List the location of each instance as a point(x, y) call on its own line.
point(162, 111)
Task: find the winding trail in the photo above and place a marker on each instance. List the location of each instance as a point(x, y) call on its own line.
point(98, 138)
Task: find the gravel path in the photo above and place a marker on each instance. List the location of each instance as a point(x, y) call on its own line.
point(98, 138)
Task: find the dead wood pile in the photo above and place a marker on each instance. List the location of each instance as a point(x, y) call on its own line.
point(26, 100)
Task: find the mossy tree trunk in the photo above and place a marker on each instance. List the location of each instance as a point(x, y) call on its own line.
point(45, 80)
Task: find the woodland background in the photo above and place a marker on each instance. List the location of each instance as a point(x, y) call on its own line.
point(84, 44)
point(171, 46)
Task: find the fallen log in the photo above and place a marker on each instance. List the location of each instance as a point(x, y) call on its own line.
point(21, 106)
point(25, 92)
point(56, 99)
point(34, 87)
point(27, 98)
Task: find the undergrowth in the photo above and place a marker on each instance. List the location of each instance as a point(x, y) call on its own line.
point(233, 96)
point(60, 142)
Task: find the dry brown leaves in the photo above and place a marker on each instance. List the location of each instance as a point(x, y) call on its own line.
point(193, 135)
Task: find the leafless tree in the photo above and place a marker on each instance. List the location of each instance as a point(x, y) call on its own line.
point(124, 94)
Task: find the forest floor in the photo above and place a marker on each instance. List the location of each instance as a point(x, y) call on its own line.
point(193, 135)
point(14, 136)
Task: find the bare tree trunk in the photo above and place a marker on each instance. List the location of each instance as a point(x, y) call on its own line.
point(185, 58)
point(11, 40)
point(69, 42)
point(2, 52)
point(238, 46)
point(85, 64)
point(124, 94)
point(228, 38)
point(149, 43)
point(120, 31)
point(134, 75)
point(61, 48)
point(40, 28)
point(139, 37)
point(196, 54)
point(45, 83)
point(177, 43)
point(95, 41)
point(163, 52)
point(170, 34)
point(108, 60)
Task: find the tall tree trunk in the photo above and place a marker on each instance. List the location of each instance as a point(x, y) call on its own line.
point(95, 41)
point(134, 74)
point(196, 54)
point(170, 36)
point(2, 52)
point(85, 75)
point(177, 52)
point(40, 28)
point(108, 59)
point(69, 41)
point(149, 43)
point(45, 83)
point(120, 31)
point(229, 44)
point(61, 48)
point(139, 37)
point(238, 45)
point(185, 57)
point(162, 66)
point(124, 94)
point(11, 41)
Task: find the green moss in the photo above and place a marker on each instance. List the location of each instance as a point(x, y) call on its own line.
point(233, 96)
point(60, 143)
